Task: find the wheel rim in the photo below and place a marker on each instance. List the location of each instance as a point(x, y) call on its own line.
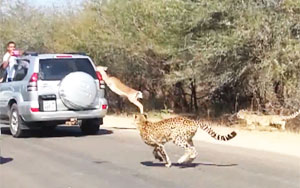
point(14, 124)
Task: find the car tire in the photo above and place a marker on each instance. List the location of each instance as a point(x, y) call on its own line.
point(90, 126)
point(16, 122)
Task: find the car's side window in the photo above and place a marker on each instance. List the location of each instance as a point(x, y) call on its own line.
point(21, 69)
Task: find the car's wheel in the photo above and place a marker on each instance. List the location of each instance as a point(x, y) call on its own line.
point(15, 122)
point(90, 126)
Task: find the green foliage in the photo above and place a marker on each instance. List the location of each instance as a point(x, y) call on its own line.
point(184, 53)
point(21, 23)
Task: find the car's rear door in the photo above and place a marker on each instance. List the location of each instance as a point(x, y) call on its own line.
point(53, 70)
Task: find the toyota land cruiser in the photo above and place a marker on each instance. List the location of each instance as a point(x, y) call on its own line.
point(50, 89)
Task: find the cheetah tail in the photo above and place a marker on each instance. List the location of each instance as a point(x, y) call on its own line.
point(291, 116)
point(216, 136)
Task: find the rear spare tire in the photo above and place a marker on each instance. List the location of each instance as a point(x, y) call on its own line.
point(78, 90)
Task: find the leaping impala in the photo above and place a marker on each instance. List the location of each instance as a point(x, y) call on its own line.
point(121, 89)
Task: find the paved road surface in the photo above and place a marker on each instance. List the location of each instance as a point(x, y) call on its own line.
point(118, 158)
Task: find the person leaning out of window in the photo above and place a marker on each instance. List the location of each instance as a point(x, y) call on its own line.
point(9, 60)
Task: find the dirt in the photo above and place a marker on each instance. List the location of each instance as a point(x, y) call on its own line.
point(282, 142)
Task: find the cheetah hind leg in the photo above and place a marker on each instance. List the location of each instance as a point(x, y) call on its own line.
point(183, 159)
point(190, 151)
point(191, 155)
point(156, 154)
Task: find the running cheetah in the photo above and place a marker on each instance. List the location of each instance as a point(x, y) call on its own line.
point(180, 130)
point(265, 120)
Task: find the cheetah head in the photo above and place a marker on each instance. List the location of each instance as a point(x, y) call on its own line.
point(140, 118)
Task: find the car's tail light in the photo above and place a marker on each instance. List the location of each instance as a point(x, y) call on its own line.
point(32, 85)
point(101, 81)
point(34, 109)
point(104, 106)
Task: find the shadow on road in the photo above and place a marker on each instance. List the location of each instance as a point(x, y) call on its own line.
point(189, 165)
point(124, 128)
point(4, 160)
point(100, 162)
point(60, 131)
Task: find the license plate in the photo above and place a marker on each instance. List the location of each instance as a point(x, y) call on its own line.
point(49, 105)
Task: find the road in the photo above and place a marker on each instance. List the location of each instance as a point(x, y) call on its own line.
point(119, 158)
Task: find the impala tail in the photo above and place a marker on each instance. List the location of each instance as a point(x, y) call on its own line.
point(139, 95)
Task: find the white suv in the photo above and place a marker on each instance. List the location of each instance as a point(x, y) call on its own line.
point(50, 89)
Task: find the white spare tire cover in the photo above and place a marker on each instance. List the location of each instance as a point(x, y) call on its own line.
point(78, 90)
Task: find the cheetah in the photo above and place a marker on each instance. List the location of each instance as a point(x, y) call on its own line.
point(265, 120)
point(179, 130)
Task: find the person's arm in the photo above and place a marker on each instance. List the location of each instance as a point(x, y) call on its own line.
point(5, 62)
point(21, 52)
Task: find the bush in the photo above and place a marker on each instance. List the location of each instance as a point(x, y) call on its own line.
point(190, 56)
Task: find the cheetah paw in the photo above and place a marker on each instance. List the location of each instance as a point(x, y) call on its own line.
point(189, 160)
point(183, 159)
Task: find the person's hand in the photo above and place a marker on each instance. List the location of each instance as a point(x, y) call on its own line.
point(16, 53)
point(21, 52)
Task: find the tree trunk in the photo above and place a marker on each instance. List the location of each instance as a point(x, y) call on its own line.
point(194, 104)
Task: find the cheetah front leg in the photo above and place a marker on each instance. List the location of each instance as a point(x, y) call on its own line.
point(160, 148)
point(156, 154)
point(164, 155)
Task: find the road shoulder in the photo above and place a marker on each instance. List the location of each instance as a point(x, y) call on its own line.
point(279, 142)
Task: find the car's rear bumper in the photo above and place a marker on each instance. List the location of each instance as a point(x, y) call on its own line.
point(64, 115)
point(29, 116)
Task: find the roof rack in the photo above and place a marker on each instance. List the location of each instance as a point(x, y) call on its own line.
point(76, 53)
point(31, 53)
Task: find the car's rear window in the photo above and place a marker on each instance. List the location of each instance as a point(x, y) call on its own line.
point(57, 69)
